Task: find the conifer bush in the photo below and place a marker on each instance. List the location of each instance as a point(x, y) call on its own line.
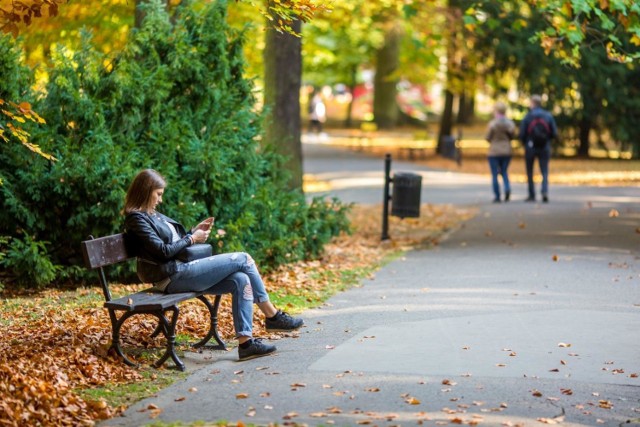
point(175, 100)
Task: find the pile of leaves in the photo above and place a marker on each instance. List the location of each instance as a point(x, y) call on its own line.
point(55, 343)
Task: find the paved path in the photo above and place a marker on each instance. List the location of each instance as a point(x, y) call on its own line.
point(527, 315)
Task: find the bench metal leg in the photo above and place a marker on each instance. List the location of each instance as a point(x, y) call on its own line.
point(116, 324)
point(213, 327)
point(168, 329)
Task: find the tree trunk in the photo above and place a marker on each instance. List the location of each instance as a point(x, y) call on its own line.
point(282, 83)
point(585, 131)
point(446, 121)
point(466, 109)
point(385, 108)
point(352, 88)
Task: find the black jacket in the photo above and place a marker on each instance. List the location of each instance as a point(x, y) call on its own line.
point(150, 239)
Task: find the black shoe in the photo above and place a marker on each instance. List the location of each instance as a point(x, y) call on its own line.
point(530, 199)
point(545, 199)
point(255, 349)
point(507, 196)
point(282, 322)
point(496, 200)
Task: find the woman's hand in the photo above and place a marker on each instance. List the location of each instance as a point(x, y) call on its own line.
point(205, 225)
point(200, 235)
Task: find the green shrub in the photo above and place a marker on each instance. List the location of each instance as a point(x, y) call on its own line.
point(175, 100)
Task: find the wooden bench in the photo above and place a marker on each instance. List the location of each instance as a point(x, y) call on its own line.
point(109, 250)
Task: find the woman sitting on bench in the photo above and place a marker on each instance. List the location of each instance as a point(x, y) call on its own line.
point(159, 239)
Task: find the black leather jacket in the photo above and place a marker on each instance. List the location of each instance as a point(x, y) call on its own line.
point(150, 238)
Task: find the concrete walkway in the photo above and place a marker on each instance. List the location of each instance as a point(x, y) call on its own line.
point(527, 315)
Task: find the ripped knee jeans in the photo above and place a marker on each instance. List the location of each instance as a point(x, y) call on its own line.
point(235, 273)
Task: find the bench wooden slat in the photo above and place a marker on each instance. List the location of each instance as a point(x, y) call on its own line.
point(149, 300)
point(105, 251)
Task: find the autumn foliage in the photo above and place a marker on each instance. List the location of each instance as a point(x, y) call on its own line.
point(54, 344)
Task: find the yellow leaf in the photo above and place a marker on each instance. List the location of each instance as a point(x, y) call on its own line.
point(412, 401)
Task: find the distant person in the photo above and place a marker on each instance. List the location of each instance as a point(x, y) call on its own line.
point(500, 131)
point(537, 130)
point(317, 113)
point(158, 241)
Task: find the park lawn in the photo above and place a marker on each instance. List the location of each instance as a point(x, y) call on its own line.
point(562, 170)
point(55, 368)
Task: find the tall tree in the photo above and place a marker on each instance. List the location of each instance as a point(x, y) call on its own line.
point(385, 108)
point(282, 83)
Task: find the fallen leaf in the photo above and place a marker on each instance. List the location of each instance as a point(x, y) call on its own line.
point(193, 389)
point(563, 345)
point(242, 395)
point(412, 401)
point(372, 389)
point(605, 404)
point(555, 257)
point(180, 399)
point(613, 213)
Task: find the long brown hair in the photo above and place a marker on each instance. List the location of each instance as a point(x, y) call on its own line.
point(140, 190)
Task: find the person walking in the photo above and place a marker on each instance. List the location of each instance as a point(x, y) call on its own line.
point(537, 130)
point(158, 242)
point(500, 131)
point(317, 113)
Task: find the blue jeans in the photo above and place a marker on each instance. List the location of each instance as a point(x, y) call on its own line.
point(499, 166)
point(235, 273)
point(543, 155)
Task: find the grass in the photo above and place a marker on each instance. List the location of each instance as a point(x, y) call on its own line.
point(123, 395)
point(335, 281)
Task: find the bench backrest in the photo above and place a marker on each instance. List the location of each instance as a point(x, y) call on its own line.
point(105, 251)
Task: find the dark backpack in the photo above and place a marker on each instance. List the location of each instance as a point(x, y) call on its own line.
point(539, 132)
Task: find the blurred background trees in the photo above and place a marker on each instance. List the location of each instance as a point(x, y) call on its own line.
point(220, 108)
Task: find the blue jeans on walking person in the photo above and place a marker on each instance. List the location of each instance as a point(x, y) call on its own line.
point(235, 273)
point(499, 166)
point(543, 155)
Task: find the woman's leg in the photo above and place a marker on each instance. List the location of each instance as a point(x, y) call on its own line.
point(494, 165)
point(203, 274)
point(241, 303)
point(504, 171)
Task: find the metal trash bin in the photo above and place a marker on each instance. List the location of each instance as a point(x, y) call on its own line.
point(405, 200)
